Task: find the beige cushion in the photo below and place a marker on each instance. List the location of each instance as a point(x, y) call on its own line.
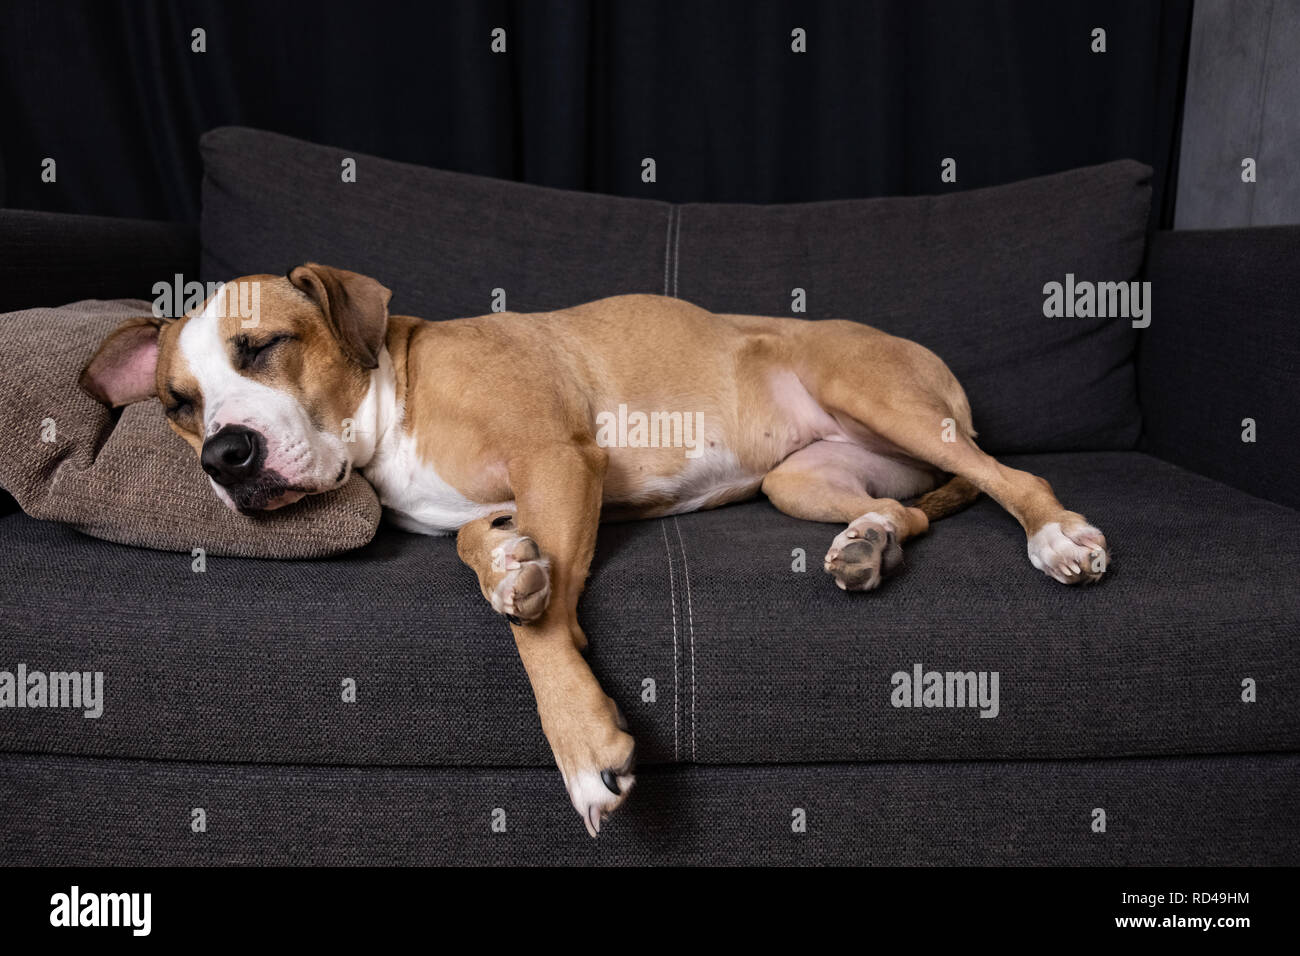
point(131, 479)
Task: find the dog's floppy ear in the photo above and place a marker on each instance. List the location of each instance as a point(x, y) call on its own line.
point(355, 307)
point(122, 370)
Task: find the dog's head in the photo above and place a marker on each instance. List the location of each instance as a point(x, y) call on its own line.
point(265, 381)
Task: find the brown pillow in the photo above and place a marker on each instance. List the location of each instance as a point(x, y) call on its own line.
point(131, 479)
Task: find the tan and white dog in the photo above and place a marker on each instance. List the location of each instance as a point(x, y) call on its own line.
point(489, 427)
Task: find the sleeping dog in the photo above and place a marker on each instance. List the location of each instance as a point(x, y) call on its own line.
point(502, 428)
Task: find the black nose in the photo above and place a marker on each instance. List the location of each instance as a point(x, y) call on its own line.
point(232, 455)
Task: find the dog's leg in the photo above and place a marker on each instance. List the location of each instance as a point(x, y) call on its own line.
point(1060, 543)
point(557, 497)
point(826, 482)
point(913, 401)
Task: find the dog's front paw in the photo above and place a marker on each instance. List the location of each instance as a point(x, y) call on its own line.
point(1073, 554)
point(596, 757)
point(863, 553)
point(525, 585)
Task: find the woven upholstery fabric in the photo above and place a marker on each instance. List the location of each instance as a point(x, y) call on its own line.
point(1179, 811)
point(48, 258)
point(751, 661)
point(961, 273)
point(128, 477)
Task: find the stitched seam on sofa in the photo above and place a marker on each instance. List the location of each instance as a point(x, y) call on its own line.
point(690, 617)
point(672, 594)
point(677, 251)
point(668, 245)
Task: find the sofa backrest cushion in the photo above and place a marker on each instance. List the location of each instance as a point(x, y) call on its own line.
point(962, 273)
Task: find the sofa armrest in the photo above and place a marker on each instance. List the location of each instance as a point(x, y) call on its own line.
point(1224, 347)
point(51, 258)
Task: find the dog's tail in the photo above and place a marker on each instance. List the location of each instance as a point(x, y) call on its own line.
point(947, 499)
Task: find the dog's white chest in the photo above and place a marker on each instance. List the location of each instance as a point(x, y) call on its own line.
point(416, 497)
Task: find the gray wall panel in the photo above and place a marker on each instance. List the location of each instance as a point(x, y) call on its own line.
point(1243, 100)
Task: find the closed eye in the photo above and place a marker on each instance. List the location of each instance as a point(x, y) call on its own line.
point(250, 354)
point(177, 404)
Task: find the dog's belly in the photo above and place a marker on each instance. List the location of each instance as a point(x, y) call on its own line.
point(718, 477)
point(715, 477)
point(880, 475)
point(772, 421)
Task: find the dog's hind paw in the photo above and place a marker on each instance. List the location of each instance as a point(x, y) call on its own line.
point(863, 553)
point(525, 585)
point(1073, 554)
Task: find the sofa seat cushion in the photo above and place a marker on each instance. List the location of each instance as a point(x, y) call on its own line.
point(716, 649)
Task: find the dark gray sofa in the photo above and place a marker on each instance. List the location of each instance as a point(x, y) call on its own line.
point(771, 687)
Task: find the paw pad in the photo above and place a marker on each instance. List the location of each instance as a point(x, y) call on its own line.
point(525, 585)
point(864, 553)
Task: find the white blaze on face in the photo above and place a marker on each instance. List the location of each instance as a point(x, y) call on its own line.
point(305, 458)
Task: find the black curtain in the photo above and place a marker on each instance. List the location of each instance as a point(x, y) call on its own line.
point(708, 88)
